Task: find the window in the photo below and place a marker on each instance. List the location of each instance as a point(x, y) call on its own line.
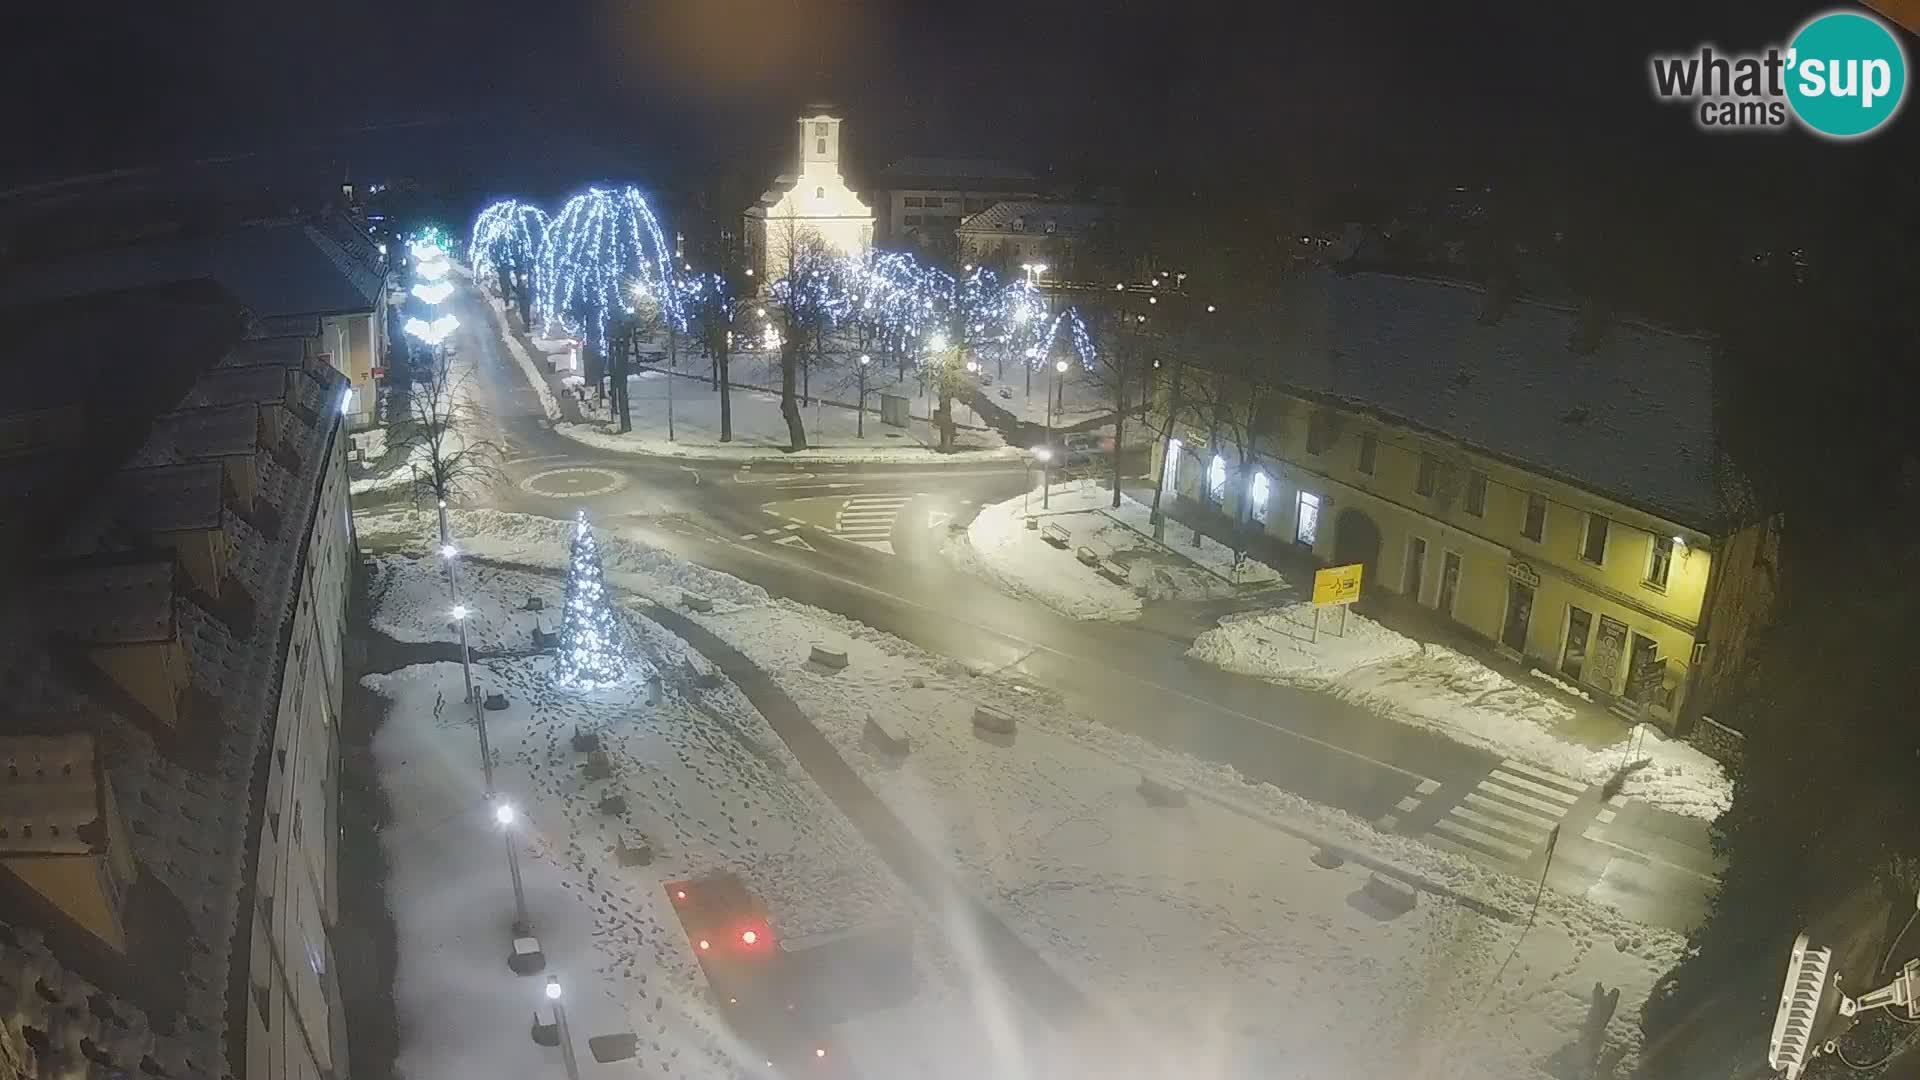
point(913, 200)
point(1593, 547)
point(1316, 433)
point(819, 193)
point(953, 200)
point(1416, 566)
point(912, 219)
point(1573, 655)
point(1217, 480)
point(820, 147)
point(1477, 494)
point(1535, 525)
point(1306, 522)
point(1427, 480)
point(1170, 466)
point(1258, 495)
point(1369, 447)
point(820, 128)
point(1659, 561)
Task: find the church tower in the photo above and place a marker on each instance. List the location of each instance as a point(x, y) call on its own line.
point(814, 198)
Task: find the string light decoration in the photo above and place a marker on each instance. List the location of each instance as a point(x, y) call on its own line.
point(603, 242)
point(589, 637)
point(507, 234)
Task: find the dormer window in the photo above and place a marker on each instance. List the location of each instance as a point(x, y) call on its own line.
point(1019, 224)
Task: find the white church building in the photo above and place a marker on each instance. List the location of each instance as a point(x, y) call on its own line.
point(816, 200)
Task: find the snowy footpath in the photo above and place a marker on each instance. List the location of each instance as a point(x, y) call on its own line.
point(1209, 940)
point(1129, 565)
point(1435, 687)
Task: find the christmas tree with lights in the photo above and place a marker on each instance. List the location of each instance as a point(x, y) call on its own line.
point(589, 637)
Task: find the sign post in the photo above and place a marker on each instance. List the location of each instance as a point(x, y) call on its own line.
point(1335, 586)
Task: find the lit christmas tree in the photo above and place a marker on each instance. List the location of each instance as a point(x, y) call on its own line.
point(589, 638)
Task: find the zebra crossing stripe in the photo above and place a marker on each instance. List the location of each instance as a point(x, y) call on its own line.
point(1474, 838)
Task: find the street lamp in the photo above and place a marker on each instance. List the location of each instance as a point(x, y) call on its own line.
point(566, 1036)
point(504, 814)
point(860, 411)
point(466, 656)
point(1045, 454)
point(1059, 369)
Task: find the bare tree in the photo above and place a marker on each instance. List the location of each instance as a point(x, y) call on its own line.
point(808, 296)
point(438, 430)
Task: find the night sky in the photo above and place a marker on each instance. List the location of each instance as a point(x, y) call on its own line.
point(549, 94)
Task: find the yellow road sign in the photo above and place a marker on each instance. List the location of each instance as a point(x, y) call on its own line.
point(1337, 584)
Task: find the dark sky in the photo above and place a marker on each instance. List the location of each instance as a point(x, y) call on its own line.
point(514, 91)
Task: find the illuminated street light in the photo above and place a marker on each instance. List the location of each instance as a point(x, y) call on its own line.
point(553, 988)
point(560, 1020)
point(937, 342)
point(448, 551)
point(1060, 366)
point(1211, 309)
point(435, 332)
point(433, 270)
point(504, 815)
point(1043, 453)
point(459, 611)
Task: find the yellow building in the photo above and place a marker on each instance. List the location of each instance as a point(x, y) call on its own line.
point(816, 200)
point(1543, 479)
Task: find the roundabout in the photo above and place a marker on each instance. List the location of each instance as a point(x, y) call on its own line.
point(573, 482)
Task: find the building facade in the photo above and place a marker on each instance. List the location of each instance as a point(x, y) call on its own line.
point(921, 201)
point(1553, 502)
point(814, 200)
point(1018, 231)
point(173, 641)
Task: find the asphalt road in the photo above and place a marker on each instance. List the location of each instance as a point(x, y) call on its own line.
point(864, 541)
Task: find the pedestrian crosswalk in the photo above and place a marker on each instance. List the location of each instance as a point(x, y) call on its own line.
point(867, 520)
point(1509, 813)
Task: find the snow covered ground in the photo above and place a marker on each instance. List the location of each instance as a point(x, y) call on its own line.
point(1081, 397)
point(1209, 943)
point(1000, 548)
point(1435, 687)
point(759, 430)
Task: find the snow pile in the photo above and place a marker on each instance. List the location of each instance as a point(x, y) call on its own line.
point(1000, 548)
point(1435, 687)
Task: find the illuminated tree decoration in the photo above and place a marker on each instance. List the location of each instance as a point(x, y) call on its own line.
point(589, 637)
point(507, 235)
point(601, 245)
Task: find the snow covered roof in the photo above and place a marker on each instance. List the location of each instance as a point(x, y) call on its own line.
point(188, 807)
point(113, 601)
point(220, 431)
point(261, 384)
point(285, 351)
point(167, 498)
point(1020, 216)
point(1631, 419)
point(969, 173)
point(50, 797)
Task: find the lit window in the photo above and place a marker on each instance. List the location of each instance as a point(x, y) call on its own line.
point(1217, 479)
point(1170, 467)
point(1369, 448)
point(1427, 480)
point(1659, 561)
point(1257, 497)
point(1593, 547)
point(1306, 524)
point(1535, 525)
point(1477, 493)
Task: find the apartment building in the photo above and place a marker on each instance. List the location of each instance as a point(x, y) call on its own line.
point(175, 543)
point(921, 200)
point(1544, 480)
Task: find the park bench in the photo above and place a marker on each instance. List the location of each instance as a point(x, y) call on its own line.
point(1057, 535)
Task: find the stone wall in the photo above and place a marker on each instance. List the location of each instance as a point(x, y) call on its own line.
point(1719, 742)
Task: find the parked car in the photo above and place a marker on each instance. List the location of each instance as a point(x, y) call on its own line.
point(1076, 448)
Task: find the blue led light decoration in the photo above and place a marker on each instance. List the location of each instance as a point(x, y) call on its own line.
point(603, 243)
point(507, 235)
point(590, 654)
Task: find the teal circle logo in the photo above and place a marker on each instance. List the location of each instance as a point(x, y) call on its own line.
point(1847, 74)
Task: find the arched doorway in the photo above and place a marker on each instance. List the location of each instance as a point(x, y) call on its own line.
point(1356, 539)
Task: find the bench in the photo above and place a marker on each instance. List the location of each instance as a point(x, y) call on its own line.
point(886, 735)
point(828, 658)
point(1160, 792)
point(1087, 556)
point(1394, 896)
point(599, 766)
point(612, 805)
point(633, 851)
point(1056, 535)
point(585, 741)
point(495, 701)
point(992, 720)
point(526, 957)
point(694, 602)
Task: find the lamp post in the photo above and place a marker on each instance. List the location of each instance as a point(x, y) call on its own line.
point(466, 654)
point(1045, 454)
point(505, 815)
point(460, 614)
point(566, 1036)
point(1059, 369)
point(860, 409)
point(973, 368)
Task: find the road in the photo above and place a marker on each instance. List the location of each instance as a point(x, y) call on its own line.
point(864, 541)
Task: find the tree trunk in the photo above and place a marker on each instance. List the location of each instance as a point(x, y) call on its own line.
point(1166, 434)
point(789, 405)
point(525, 293)
point(726, 395)
point(943, 415)
point(622, 355)
point(1119, 426)
point(504, 274)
